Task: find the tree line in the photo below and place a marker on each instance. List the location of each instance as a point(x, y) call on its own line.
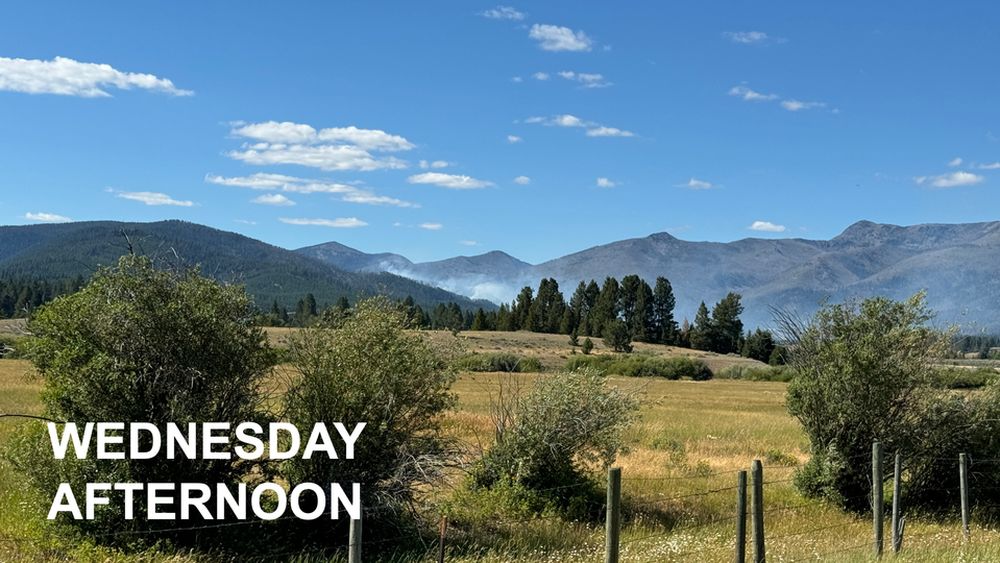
point(620, 312)
point(19, 297)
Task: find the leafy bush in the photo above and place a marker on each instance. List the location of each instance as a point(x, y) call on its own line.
point(139, 344)
point(587, 346)
point(865, 371)
point(549, 440)
point(757, 373)
point(511, 363)
point(643, 366)
point(963, 378)
point(370, 369)
point(12, 347)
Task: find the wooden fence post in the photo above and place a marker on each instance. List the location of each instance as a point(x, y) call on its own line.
point(963, 479)
point(441, 536)
point(757, 475)
point(354, 542)
point(613, 522)
point(897, 529)
point(877, 500)
point(741, 517)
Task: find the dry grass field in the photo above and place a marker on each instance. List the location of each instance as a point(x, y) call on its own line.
point(678, 479)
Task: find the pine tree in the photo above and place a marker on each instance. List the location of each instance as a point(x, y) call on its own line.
point(665, 327)
point(727, 328)
point(700, 333)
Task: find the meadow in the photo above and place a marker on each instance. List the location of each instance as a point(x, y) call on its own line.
point(679, 477)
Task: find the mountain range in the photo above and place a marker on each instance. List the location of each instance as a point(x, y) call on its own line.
point(957, 264)
point(67, 250)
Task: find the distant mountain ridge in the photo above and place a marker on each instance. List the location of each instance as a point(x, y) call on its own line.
point(957, 264)
point(67, 250)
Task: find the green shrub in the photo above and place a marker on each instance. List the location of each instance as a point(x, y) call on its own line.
point(757, 373)
point(139, 344)
point(641, 365)
point(12, 347)
point(550, 439)
point(964, 378)
point(587, 346)
point(511, 363)
point(370, 369)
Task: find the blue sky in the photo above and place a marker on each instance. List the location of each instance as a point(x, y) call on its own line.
point(444, 128)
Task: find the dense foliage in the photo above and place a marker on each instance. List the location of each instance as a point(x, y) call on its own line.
point(370, 369)
point(140, 344)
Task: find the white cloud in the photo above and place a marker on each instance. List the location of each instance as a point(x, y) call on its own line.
point(603, 182)
point(586, 79)
point(272, 199)
point(797, 105)
point(333, 148)
point(153, 198)
point(952, 180)
point(293, 184)
point(593, 129)
point(990, 166)
point(957, 161)
point(72, 78)
point(517, 79)
point(746, 37)
point(369, 198)
point(244, 222)
point(514, 139)
point(468, 243)
point(503, 13)
point(767, 227)
point(558, 38)
point(540, 76)
point(339, 223)
point(431, 226)
point(450, 181)
point(696, 184)
point(522, 180)
point(43, 217)
point(751, 95)
point(602, 131)
point(433, 164)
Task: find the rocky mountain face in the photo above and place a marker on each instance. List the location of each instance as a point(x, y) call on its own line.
point(957, 264)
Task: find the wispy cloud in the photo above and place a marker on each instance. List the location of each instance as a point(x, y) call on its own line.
point(433, 164)
point(955, 162)
point(522, 180)
point(559, 38)
point(696, 184)
point(431, 226)
point(503, 13)
point(512, 139)
point(338, 223)
point(990, 166)
point(747, 37)
point(68, 77)
point(450, 181)
point(333, 148)
point(751, 95)
point(585, 79)
point(798, 105)
point(43, 217)
point(952, 180)
point(603, 182)
point(540, 76)
point(153, 198)
point(293, 184)
point(468, 243)
point(273, 199)
point(767, 227)
point(593, 129)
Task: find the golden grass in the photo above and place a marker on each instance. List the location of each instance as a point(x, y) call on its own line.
point(678, 477)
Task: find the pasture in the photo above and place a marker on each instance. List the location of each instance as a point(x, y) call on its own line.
point(679, 475)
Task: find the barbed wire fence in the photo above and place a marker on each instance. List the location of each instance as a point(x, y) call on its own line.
point(742, 535)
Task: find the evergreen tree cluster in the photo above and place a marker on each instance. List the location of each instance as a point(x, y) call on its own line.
point(19, 297)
